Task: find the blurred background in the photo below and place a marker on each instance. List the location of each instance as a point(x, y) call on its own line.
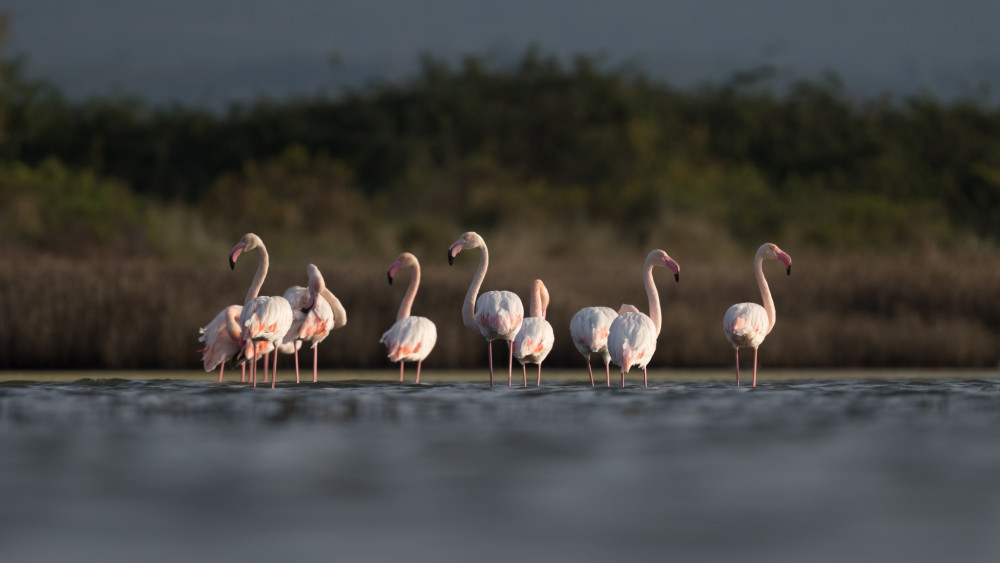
point(139, 141)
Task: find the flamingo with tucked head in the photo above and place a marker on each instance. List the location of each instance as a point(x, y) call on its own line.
point(535, 339)
point(746, 324)
point(589, 329)
point(264, 319)
point(498, 314)
point(410, 339)
point(632, 337)
point(316, 312)
point(221, 338)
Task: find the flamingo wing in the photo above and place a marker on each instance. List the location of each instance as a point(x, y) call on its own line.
point(220, 345)
point(266, 318)
point(589, 329)
point(410, 339)
point(499, 314)
point(632, 340)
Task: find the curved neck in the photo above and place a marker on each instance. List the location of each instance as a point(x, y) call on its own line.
point(469, 307)
point(233, 322)
point(411, 294)
point(536, 301)
point(654, 296)
point(258, 279)
point(339, 313)
point(765, 292)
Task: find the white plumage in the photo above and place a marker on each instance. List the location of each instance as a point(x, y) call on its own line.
point(499, 314)
point(589, 329)
point(221, 338)
point(535, 338)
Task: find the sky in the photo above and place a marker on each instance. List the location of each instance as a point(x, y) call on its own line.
point(212, 51)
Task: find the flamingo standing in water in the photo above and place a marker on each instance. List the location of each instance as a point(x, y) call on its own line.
point(221, 338)
point(315, 312)
point(265, 320)
point(632, 336)
point(498, 314)
point(410, 339)
point(534, 341)
point(746, 324)
point(589, 329)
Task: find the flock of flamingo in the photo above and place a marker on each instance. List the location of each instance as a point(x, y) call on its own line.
point(242, 334)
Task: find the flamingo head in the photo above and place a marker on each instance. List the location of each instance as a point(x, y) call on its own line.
point(403, 260)
point(626, 308)
point(464, 242)
point(660, 258)
point(771, 250)
point(249, 241)
point(316, 286)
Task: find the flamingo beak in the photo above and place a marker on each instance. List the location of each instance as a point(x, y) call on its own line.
point(677, 277)
point(389, 275)
point(789, 269)
point(451, 259)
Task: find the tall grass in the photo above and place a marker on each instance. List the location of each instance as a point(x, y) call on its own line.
point(928, 310)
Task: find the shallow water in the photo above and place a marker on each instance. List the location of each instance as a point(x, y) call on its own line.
point(901, 469)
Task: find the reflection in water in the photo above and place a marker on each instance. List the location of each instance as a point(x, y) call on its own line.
point(99, 470)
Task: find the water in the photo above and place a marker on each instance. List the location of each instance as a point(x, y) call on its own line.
point(904, 469)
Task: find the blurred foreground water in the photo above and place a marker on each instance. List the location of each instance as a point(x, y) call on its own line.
point(901, 469)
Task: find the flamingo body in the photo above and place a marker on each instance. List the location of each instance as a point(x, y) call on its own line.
point(589, 329)
point(266, 319)
point(632, 340)
point(499, 315)
point(221, 338)
point(410, 339)
point(534, 341)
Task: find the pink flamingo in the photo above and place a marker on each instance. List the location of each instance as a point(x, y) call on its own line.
point(410, 339)
point(632, 337)
point(498, 314)
point(746, 324)
point(589, 329)
point(312, 318)
point(534, 341)
point(221, 338)
point(264, 319)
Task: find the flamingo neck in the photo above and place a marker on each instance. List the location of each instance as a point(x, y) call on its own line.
point(654, 296)
point(233, 322)
point(469, 307)
point(765, 292)
point(536, 301)
point(411, 294)
point(258, 279)
point(339, 313)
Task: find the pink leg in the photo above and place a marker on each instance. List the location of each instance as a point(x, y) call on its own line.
point(267, 367)
point(274, 373)
point(754, 367)
point(623, 378)
point(607, 372)
point(489, 346)
point(401, 371)
point(222, 366)
point(510, 362)
point(243, 373)
point(253, 364)
point(539, 382)
point(297, 379)
point(737, 367)
point(418, 370)
point(590, 372)
point(315, 363)
point(645, 378)
point(524, 373)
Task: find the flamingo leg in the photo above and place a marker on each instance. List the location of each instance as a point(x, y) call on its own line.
point(274, 366)
point(510, 361)
point(489, 346)
point(539, 382)
point(623, 378)
point(296, 352)
point(645, 378)
point(401, 371)
point(418, 370)
point(253, 364)
point(607, 371)
point(590, 372)
point(243, 373)
point(267, 372)
point(737, 367)
point(754, 367)
point(222, 366)
point(315, 363)
point(524, 373)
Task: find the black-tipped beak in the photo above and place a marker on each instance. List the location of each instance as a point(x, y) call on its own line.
point(677, 277)
point(789, 269)
point(232, 263)
point(388, 275)
point(451, 259)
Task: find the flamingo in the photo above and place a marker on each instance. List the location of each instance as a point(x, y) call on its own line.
point(221, 338)
point(746, 324)
point(632, 336)
point(498, 314)
point(589, 330)
point(534, 341)
point(410, 339)
point(264, 319)
point(312, 318)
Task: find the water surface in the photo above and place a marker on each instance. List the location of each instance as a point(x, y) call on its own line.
point(822, 469)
